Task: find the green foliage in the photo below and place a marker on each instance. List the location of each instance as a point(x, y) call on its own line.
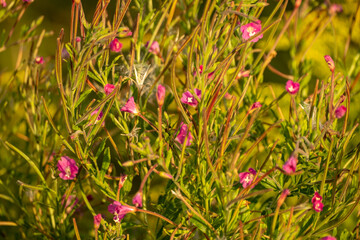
point(186, 159)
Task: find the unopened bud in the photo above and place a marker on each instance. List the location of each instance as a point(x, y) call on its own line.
point(165, 175)
point(330, 62)
point(128, 164)
point(283, 196)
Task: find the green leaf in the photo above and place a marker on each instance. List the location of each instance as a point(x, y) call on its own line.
point(199, 224)
point(105, 164)
point(32, 164)
point(82, 97)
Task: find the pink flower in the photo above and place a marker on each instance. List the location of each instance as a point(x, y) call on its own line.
point(328, 238)
point(98, 117)
point(137, 200)
point(68, 168)
point(290, 165)
point(115, 45)
point(228, 96)
point(154, 48)
point(250, 30)
point(119, 210)
point(340, 111)
point(292, 87)
point(3, 3)
point(318, 206)
point(182, 135)
point(335, 8)
point(255, 106)
point(330, 62)
point(246, 178)
point(211, 75)
point(70, 202)
point(188, 98)
point(130, 107)
point(65, 54)
point(160, 94)
point(78, 39)
point(316, 198)
point(201, 68)
point(109, 88)
point(97, 221)
point(39, 60)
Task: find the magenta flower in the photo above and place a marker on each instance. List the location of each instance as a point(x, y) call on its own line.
point(78, 39)
point(27, 1)
point(137, 200)
point(335, 8)
point(160, 94)
point(188, 98)
point(70, 202)
point(228, 96)
point(250, 30)
point(130, 107)
point(115, 45)
point(109, 88)
point(330, 62)
point(211, 75)
point(39, 60)
point(98, 117)
point(328, 238)
point(3, 3)
point(65, 54)
point(316, 198)
point(154, 48)
point(120, 210)
point(318, 206)
point(97, 221)
point(182, 135)
point(292, 87)
point(340, 111)
point(290, 165)
point(255, 106)
point(68, 168)
point(246, 178)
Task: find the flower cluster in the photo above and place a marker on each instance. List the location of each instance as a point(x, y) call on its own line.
point(317, 202)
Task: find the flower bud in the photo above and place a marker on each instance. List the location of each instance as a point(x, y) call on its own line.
point(160, 94)
point(330, 62)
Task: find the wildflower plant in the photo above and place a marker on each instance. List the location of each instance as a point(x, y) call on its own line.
point(211, 148)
